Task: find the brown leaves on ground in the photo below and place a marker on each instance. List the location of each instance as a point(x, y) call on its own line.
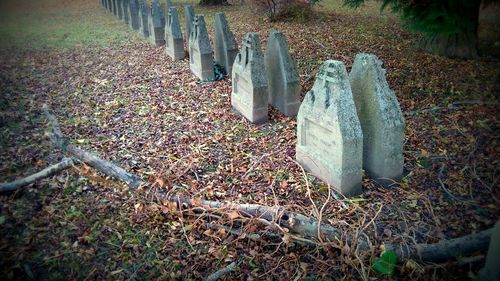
point(132, 105)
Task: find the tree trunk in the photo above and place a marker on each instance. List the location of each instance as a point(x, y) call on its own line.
point(459, 45)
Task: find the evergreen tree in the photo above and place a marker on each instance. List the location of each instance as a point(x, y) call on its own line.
point(449, 26)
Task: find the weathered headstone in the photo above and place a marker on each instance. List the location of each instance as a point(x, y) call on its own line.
point(189, 16)
point(126, 11)
point(381, 120)
point(119, 9)
point(134, 14)
point(174, 45)
point(144, 11)
point(284, 84)
point(329, 136)
point(108, 6)
point(491, 270)
point(156, 23)
point(201, 60)
point(168, 5)
point(114, 9)
point(249, 82)
point(225, 47)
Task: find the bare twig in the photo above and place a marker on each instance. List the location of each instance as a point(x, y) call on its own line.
point(45, 173)
point(221, 272)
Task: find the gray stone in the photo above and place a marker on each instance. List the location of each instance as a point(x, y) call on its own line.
point(284, 84)
point(174, 45)
point(126, 11)
point(225, 47)
point(144, 11)
point(329, 136)
point(119, 9)
point(491, 270)
point(249, 82)
point(189, 16)
point(381, 120)
point(201, 60)
point(114, 9)
point(108, 6)
point(134, 14)
point(168, 5)
point(156, 24)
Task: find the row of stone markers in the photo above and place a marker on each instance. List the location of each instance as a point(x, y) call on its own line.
point(259, 80)
point(346, 123)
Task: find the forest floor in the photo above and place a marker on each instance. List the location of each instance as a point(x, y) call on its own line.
point(118, 96)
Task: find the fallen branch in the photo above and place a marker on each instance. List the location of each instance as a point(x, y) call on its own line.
point(104, 166)
point(302, 225)
point(45, 173)
point(444, 250)
point(221, 272)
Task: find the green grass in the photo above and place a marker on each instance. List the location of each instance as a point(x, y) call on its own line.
point(60, 25)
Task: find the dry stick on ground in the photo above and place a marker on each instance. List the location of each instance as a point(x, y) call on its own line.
point(297, 223)
point(45, 173)
point(104, 166)
point(221, 272)
point(444, 250)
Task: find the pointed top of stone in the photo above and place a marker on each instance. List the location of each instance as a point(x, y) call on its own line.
point(222, 26)
point(331, 93)
point(188, 16)
point(251, 60)
point(173, 24)
point(157, 14)
point(199, 35)
point(278, 46)
point(368, 70)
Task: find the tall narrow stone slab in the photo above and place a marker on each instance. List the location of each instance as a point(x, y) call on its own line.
point(381, 120)
point(126, 11)
point(119, 9)
point(201, 60)
point(156, 24)
point(225, 47)
point(144, 11)
point(174, 45)
point(329, 136)
point(249, 82)
point(134, 14)
point(109, 5)
point(114, 9)
point(284, 84)
point(188, 16)
point(168, 5)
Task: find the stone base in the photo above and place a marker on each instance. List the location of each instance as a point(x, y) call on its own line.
point(175, 49)
point(204, 68)
point(255, 115)
point(347, 183)
point(157, 37)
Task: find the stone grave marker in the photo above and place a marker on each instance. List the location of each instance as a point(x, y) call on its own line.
point(119, 9)
point(284, 84)
point(329, 136)
point(114, 9)
point(168, 5)
point(225, 47)
point(249, 82)
point(144, 11)
point(189, 16)
point(381, 120)
point(126, 11)
point(174, 45)
point(134, 14)
point(491, 270)
point(201, 60)
point(108, 6)
point(156, 24)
